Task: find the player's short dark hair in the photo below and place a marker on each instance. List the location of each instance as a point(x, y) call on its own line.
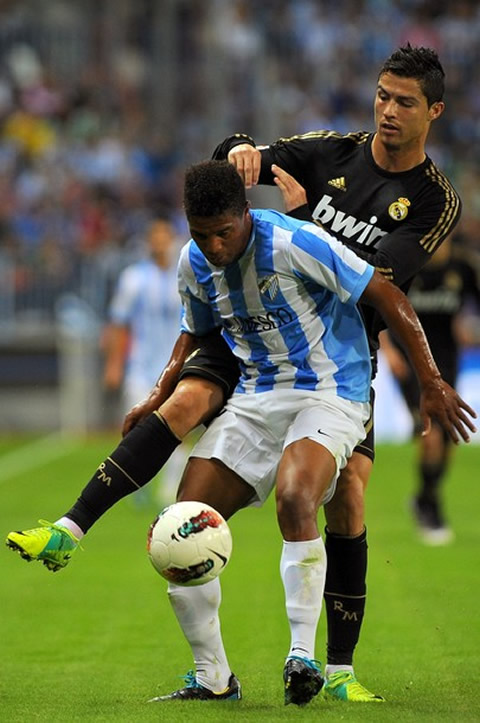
point(213, 188)
point(420, 63)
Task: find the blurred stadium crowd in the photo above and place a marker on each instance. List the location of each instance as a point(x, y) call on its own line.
point(102, 103)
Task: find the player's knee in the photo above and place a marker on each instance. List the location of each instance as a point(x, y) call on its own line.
point(350, 488)
point(296, 510)
point(353, 480)
point(345, 512)
point(193, 402)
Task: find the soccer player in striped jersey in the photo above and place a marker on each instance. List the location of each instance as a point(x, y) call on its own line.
point(284, 292)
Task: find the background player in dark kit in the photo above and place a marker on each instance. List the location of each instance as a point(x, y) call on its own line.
point(438, 293)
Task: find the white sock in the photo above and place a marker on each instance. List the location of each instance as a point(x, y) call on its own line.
point(196, 609)
point(331, 669)
point(303, 566)
point(72, 526)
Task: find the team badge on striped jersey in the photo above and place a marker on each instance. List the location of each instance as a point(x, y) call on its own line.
point(269, 286)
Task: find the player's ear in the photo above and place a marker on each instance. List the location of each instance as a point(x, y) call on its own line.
point(436, 110)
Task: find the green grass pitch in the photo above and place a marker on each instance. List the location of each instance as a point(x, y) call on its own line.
point(94, 641)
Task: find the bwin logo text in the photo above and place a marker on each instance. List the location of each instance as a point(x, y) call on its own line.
point(348, 226)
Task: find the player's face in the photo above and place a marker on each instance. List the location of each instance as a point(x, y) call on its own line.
point(222, 239)
point(402, 115)
point(161, 239)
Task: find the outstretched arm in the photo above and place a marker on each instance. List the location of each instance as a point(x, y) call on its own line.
point(438, 399)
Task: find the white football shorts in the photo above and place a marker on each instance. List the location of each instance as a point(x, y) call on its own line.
point(251, 432)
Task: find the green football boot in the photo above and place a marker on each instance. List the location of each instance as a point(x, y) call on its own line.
point(344, 686)
point(51, 544)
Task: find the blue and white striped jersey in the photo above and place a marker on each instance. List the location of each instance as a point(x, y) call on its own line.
point(287, 308)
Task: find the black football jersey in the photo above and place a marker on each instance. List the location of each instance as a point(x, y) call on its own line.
point(394, 220)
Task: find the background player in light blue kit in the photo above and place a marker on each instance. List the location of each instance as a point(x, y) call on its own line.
point(144, 317)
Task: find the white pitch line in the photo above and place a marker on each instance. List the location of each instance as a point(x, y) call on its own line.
point(35, 454)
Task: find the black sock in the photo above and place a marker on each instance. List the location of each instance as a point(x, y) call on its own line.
point(430, 478)
point(345, 594)
point(136, 460)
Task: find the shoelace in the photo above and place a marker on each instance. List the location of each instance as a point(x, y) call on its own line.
point(341, 677)
point(59, 528)
point(311, 662)
point(190, 680)
point(338, 679)
point(46, 523)
point(316, 664)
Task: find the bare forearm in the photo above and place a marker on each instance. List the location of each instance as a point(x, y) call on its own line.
point(414, 342)
point(403, 322)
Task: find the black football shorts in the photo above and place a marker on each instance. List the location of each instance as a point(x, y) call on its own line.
point(367, 447)
point(213, 360)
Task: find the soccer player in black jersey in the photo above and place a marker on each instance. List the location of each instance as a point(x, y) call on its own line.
point(379, 193)
point(438, 293)
point(384, 197)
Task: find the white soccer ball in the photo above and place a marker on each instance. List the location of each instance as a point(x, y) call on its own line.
point(189, 543)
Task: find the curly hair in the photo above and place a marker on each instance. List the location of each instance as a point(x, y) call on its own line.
point(213, 188)
point(420, 63)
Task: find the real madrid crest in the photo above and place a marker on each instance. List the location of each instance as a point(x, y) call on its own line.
point(398, 210)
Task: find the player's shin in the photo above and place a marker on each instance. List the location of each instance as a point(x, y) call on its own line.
point(345, 594)
point(431, 475)
point(302, 569)
point(196, 609)
point(136, 460)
